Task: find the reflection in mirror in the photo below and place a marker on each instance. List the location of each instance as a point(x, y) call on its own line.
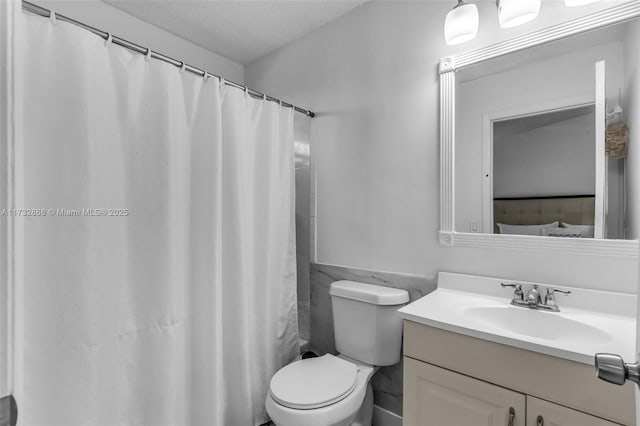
point(530, 139)
point(532, 191)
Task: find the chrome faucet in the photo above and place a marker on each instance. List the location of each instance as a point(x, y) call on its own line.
point(533, 298)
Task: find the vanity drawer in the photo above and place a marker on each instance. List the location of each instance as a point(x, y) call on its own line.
point(564, 382)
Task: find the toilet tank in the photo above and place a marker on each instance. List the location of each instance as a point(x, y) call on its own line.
point(366, 323)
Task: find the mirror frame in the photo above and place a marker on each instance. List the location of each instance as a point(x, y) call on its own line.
point(447, 69)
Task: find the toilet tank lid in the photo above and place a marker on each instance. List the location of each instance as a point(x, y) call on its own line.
point(369, 293)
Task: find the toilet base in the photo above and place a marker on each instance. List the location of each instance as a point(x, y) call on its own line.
point(364, 417)
point(365, 414)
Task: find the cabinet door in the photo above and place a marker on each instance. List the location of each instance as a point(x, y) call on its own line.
point(434, 396)
point(544, 413)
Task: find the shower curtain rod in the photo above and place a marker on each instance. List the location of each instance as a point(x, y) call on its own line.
point(39, 10)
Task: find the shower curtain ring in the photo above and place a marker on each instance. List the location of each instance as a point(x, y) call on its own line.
point(183, 67)
point(148, 55)
point(205, 76)
point(52, 18)
point(109, 39)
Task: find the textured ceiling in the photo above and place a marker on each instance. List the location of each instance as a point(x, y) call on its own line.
point(239, 30)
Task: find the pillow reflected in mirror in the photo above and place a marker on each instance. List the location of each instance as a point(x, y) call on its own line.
point(563, 232)
point(539, 230)
point(585, 230)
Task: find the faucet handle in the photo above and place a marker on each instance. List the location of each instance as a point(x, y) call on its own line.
point(514, 285)
point(550, 297)
point(551, 290)
point(517, 292)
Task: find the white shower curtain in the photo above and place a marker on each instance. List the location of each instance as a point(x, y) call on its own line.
point(160, 286)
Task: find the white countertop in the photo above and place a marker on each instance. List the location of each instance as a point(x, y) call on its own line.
point(589, 321)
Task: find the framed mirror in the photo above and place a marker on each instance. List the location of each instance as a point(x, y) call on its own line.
point(535, 137)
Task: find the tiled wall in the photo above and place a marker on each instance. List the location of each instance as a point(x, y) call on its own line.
point(387, 383)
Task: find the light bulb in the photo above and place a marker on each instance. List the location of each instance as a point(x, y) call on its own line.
point(512, 13)
point(461, 23)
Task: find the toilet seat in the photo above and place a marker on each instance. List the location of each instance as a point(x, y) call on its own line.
point(314, 382)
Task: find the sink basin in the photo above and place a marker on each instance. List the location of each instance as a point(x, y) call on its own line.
point(589, 321)
point(537, 324)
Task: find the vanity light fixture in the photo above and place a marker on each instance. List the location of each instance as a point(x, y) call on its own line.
point(461, 23)
point(573, 3)
point(512, 13)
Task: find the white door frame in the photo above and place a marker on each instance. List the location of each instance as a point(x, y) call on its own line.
point(600, 213)
point(487, 143)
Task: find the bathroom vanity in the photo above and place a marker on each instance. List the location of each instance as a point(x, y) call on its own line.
point(465, 367)
point(476, 353)
point(452, 379)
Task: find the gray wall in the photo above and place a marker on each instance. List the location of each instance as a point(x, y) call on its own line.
point(371, 76)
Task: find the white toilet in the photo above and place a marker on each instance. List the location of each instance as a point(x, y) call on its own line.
point(335, 390)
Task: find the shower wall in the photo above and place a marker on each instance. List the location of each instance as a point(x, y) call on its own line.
point(302, 133)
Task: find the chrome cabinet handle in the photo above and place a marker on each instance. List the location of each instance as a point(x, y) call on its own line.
point(539, 421)
point(8, 411)
point(612, 368)
point(512, 416)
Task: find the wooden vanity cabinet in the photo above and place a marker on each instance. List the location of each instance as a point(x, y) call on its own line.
point(434, 396)
point(457, 380)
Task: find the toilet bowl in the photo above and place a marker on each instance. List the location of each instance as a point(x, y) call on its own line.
point(334, 390)
point(324, 391)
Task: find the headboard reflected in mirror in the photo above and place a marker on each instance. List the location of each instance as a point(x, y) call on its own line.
point(563, 211)
point(523, 137)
